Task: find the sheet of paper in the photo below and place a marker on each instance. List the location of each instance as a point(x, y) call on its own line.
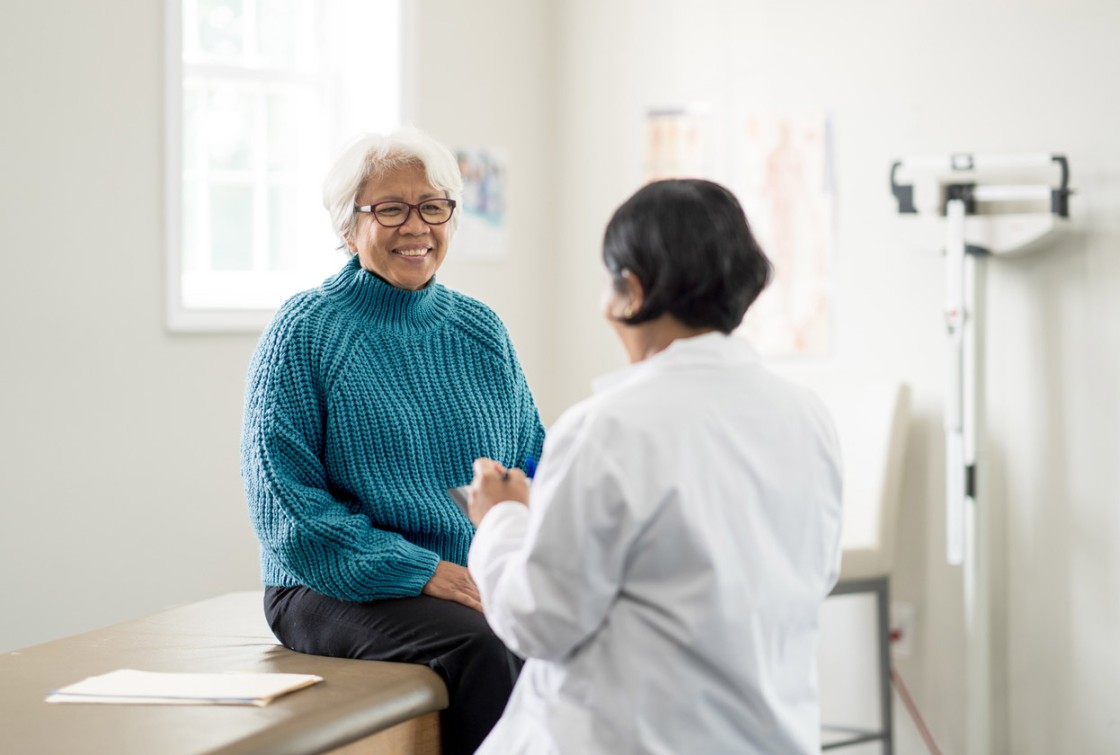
point(461, 496)
point(129, 686)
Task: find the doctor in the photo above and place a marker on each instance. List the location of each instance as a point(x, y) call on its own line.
point(665, 579)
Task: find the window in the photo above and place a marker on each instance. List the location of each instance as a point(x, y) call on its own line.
point(260, 96)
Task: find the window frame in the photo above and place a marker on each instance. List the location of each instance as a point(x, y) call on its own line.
point(179, 317)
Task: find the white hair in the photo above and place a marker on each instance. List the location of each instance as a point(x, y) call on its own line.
point(372, 156)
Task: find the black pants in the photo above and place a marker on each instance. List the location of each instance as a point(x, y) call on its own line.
point(449, 638)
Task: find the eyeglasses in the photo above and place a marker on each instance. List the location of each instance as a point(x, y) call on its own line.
point(394, 214)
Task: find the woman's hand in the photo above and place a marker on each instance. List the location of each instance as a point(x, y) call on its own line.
point(494, 484)
point(453, 582)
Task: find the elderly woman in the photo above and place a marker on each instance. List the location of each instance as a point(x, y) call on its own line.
point(367, 399)
point(683, 527)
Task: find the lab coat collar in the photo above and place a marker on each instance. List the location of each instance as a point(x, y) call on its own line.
point(709, 348)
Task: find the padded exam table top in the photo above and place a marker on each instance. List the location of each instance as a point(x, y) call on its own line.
point(227, 633)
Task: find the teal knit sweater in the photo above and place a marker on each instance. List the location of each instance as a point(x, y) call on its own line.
point(364, 404)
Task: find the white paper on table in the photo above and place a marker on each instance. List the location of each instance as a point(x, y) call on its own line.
point(129, 686)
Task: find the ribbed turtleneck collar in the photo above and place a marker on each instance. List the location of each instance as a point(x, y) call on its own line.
point(383, 304)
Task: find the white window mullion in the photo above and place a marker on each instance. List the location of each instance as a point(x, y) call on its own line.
point(250, 52)
point(203, 187)
point(252, 56)
point(262, 261)
point(189, 39)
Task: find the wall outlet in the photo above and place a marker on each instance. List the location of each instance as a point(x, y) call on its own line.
point(903, 625)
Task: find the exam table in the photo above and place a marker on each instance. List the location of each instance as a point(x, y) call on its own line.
point(361, 707)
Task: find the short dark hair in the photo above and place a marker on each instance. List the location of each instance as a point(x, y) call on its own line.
point(689, 244)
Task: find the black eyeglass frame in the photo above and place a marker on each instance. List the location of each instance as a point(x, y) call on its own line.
point(371, 209)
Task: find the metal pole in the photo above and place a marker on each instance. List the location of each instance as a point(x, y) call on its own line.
point(978, 542)
point(954, 388)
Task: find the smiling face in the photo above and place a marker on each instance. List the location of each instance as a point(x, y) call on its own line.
point(406, 256)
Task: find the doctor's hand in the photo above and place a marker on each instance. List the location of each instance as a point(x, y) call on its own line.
point(453, 582)
point(493, 484)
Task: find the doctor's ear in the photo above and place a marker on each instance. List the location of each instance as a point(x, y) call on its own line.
point(633, 291)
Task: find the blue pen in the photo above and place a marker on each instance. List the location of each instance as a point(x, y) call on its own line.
point(530, 467)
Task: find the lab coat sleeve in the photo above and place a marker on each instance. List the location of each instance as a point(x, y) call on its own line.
point(549, 573)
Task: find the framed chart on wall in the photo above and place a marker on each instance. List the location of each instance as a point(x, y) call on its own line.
point(779, 165)
point(784, 180)
point(483, 219)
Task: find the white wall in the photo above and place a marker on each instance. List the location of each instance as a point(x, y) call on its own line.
point(916, 78)
point(119, 488)
point(486, 79)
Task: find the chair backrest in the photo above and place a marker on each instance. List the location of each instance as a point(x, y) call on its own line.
point(871, 421)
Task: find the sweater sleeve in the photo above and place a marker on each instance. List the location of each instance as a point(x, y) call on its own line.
point(313, 536)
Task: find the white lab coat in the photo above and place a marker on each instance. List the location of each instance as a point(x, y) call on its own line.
point(665, 581)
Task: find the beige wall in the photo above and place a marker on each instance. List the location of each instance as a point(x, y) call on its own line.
point(118, 441)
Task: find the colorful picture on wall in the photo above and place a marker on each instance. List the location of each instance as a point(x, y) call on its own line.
point(784, 180)
point(483, 210)
point(780, 168)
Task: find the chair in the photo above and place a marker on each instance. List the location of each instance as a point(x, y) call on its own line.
point(871, 421)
